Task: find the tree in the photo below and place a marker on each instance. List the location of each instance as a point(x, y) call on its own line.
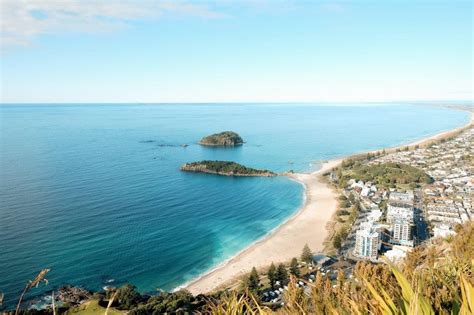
point(337, 242)
point(272, 275)
point(306, 255)
point(127, 297)
point(357, 206)
point(351, 198)
point(353, 216)
point(282, 274)
point(294, 267)
point(253, 280)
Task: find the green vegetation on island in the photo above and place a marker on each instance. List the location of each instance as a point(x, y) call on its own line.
point(226, 168)
point(226, 138)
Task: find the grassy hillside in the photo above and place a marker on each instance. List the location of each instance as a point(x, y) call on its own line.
point(92, 307)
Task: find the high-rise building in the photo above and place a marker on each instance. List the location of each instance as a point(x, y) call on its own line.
point(367, 243)
point(402, 232)
point(400, 206)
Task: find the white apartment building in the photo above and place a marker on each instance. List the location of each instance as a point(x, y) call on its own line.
point(402, 232)
point(367, 243)
point(400, 206)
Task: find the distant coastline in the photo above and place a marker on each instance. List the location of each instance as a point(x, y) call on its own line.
point(287, 240)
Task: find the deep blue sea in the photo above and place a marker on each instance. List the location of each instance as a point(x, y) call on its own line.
point(95, 193)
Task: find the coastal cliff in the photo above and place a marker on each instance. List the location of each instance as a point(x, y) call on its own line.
point(225, 168)
point(226, 138)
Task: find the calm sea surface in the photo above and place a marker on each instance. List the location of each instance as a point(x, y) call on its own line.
point(94, 192)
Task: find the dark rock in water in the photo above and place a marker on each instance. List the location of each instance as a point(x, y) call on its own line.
point(164, 144)
point(73, 295)
point(167, 145)
point(185, 145)
point(226, 138)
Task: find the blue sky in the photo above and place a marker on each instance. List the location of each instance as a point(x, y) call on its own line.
point(235, 51)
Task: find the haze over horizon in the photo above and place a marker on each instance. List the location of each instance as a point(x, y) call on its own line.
point(235, 51)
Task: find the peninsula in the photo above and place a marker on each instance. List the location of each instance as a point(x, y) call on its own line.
point(224, 139)
point(226, 168)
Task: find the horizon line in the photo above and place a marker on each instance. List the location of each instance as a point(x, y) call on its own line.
point(230, 102)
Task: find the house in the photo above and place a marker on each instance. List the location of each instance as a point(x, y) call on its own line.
point(443, 230)
point(322, 260)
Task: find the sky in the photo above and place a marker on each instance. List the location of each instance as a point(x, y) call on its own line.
point(235, 51)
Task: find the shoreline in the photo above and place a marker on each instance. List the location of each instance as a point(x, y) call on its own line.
point(298, 227)
point(306, 226)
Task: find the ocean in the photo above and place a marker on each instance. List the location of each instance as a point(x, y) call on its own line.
point(94, 191)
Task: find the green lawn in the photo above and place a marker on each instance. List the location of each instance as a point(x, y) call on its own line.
point(93, 308)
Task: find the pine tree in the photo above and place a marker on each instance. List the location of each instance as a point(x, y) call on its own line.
point(294, 267)
point(337, 242)
point(253, 280)
point(282, 274)
point(272, 275)
point(351, 198)
point(306, 255)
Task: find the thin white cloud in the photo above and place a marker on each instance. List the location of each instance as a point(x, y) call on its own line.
point(23, 20)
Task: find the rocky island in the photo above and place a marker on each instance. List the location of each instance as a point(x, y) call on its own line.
point(225, 168)
point(224, 139)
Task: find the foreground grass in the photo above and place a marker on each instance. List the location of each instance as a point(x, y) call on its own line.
point(434, 279)
point(92, 307)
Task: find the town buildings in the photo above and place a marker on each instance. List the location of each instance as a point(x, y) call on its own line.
point(431, 210)
point(448, 201)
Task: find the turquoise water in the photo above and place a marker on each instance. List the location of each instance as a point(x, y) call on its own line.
point(94, 192)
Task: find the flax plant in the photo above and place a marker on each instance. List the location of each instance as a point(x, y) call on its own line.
point(233, 303)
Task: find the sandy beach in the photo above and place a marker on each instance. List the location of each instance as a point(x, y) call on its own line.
point(287, 241)
point(307, 226)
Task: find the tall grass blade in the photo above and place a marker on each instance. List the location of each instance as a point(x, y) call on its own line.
point(111, 301)
point(31, 284)
point(467, 291)
point(54, 305)
point(387, 306)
